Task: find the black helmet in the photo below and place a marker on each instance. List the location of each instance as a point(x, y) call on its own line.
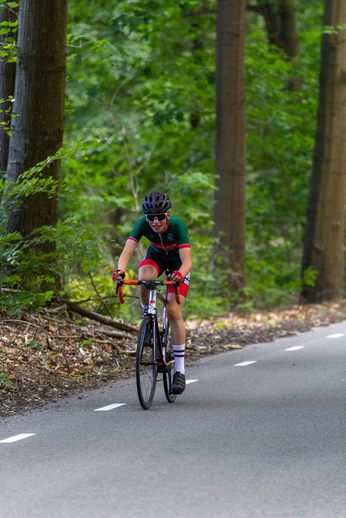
point(156, 202)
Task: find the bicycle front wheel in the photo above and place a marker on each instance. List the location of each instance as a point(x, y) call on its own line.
point(146, 364)
point(169, 368)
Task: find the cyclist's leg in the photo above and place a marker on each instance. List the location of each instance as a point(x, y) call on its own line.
point(174, 311)
point(146, 272)
point(175, 317)
point(150, 268)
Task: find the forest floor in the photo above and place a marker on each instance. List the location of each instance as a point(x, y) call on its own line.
point(46, 356)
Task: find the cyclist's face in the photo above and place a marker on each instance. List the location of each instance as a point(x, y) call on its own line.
point(159, 226)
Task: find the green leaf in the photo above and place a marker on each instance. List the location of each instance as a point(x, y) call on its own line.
point(34, 345)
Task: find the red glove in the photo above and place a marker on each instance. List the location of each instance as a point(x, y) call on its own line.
point(176, 272)
point(116, 271)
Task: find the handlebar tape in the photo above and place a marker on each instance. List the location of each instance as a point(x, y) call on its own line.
point(119, 291)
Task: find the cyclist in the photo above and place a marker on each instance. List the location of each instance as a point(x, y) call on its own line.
point(169, 248)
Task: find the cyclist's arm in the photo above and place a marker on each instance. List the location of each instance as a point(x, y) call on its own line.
point(126, 254)
point(185, 257)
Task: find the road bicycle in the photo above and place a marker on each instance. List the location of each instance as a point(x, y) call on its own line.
point(154, 353)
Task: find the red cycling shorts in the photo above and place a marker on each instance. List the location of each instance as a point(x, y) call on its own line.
point(166, 263)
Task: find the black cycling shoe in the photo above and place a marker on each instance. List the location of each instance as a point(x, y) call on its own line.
point(179, 383)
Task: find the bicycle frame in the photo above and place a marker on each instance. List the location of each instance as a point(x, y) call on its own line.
point(152, 310)
point(164, 329)
point(159, 358)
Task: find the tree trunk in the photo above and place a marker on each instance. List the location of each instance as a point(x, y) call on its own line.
point(281, 27)
point(290, 40)
point(39, 107)
point(289, 35)
point(7, 83)
point(325, 230)
point(197, 47)
point(230, 138)
point(271, 20)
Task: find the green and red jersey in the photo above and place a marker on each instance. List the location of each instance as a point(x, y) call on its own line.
point(169, 242)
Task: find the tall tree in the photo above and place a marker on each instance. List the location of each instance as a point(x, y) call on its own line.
point(280, 22)
point(8, 15)
point(325, 229)
point(229, 214)
point(38, 124)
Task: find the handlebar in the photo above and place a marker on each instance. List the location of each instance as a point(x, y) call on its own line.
point(149, 285)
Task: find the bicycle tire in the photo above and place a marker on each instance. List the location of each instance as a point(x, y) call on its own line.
point(169, 368)
point(146, 364)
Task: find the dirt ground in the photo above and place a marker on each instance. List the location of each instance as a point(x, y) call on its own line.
point(46, 356)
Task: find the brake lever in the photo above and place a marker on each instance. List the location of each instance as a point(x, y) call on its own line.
point(119, 284)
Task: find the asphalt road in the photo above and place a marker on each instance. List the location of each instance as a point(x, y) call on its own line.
point(262, 439)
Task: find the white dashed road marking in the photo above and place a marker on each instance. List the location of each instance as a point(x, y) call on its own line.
point(109, 407)
point(336, 335)
point(296, 348)
point(18, 437)
point(243, 364)
point(190, 381)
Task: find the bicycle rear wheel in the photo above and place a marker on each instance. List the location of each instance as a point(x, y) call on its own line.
point(169, 368)
point(146, 364)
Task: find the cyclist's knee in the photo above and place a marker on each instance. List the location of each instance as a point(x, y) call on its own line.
point(147, 272)
point(174, 313)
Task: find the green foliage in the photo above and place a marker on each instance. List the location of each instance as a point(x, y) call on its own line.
point(330, 29)
point(309, 277)
point(280, 147)
point(20, 257)
point(4, 380)
point(8, 49)
point(5, 126)
point(142, 96)
point(34, 345)
point(76, 254)
point(140, 106)
point(15, 254)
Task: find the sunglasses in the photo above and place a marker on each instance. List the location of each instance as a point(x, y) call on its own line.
point(159, 217)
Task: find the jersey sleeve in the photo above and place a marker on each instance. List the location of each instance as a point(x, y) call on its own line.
point(138, 230)
point(183, 240)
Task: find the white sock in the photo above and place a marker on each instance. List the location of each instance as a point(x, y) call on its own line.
point(179, 356)
point(145, 308)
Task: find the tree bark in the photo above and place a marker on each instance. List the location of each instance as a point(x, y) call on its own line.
point(229, 213)
point(290, 39)
point(76, 308)
point(271, 20)
point(325, 229)
point(289, 34)
point(7, 84)
point(197, 46)
point(281, 27)
point(39, 108)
